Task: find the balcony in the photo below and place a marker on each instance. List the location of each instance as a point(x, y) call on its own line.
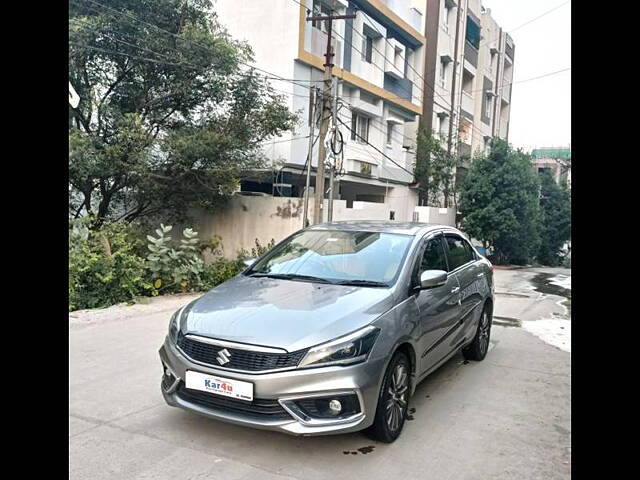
point(470, 54)
point(319, 46)
point(504, 129)
point(402, 88)
point(506, 94)
point(359, 168)
point(467, 103)
point(394, 56)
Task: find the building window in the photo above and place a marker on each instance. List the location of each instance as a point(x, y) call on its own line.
point(473, 33)
point(365, 168)
point(487, 106)
point(445, 18)
point(320, 9)
point(359, 128)
point(367, 48)
point(390, 128)
point(442, 126)
point(397, 58)
point(443, 73)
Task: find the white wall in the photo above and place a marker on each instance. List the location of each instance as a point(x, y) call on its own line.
point(441, 216)
point(246, 218)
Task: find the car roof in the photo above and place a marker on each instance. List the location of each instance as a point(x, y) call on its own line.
point(404, 228)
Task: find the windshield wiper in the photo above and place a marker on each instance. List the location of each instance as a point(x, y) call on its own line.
point(291, 276)
point(362, 283)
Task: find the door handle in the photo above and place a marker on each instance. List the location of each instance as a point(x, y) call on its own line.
point(480, 275)
point(455, 289)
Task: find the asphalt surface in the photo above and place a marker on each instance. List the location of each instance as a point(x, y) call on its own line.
point(507, 417)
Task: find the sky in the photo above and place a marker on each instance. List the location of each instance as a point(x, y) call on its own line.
point(540, 109)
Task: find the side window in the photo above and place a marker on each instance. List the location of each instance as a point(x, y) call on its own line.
point(433, 258)
point(459, 251)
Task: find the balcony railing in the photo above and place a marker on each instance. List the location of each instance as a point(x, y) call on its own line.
point(319, 46)
point(506, 93)
point(470, 54)
point(467, 103)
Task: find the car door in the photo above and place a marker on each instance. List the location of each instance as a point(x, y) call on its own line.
point(438, 307)
point(465, 265)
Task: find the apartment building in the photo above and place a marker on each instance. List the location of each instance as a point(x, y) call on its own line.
point(468, 91)
point(379, 57)
point(556, 160)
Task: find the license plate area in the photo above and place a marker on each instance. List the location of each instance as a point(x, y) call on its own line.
point(224, 387)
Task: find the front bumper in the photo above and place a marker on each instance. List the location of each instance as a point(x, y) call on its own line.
point(361, 379)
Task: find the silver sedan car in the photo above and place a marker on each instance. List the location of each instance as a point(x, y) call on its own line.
point(332, 329)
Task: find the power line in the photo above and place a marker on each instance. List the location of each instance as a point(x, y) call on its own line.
point(376, 148)
point(539, 16)
point(205, 48)
point(385, 58)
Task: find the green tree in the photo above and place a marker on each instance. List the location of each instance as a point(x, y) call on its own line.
point(169, 117)
point(500, 206)
point(434, 169)
point(555, 204)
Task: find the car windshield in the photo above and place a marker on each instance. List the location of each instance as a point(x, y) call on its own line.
point(344, 257)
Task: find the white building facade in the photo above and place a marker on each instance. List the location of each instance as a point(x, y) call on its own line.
point(379, 59)
point(473, 105)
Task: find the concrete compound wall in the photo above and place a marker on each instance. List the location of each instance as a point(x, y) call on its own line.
point(247, 218)
point(442, 216)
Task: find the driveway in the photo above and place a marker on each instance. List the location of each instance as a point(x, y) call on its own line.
point(507, 417)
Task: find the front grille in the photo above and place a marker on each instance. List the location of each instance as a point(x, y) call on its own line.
point(239, 359)
point(257, 408)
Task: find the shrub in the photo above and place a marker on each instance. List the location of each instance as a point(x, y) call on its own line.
point(219, 271)
point(108, 266)
point(175, 269)
point(256, 251)
point(104, 267)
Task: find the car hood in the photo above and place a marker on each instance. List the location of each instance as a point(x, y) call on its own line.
point(283, 313)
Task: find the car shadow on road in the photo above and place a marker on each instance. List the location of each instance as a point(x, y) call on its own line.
point(267, 446)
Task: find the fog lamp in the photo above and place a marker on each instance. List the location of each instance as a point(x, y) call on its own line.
point(335, 407)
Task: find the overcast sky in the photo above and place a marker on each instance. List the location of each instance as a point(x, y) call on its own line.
point(541, 109)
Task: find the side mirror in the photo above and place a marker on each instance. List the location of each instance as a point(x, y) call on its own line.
point(432, 278)
point(249, 261)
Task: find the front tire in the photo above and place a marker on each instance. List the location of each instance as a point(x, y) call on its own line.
point(393, 401)
point(479, 347)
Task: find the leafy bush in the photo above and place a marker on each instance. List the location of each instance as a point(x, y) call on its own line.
point(256, 251)
point(109, 265)
point(219, 271)
point(104, 266)
point(175, 269)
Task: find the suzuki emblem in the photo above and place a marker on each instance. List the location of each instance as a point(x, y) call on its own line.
point(223, 356)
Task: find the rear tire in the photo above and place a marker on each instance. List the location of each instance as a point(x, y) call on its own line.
point(393, 400)
point(479, 347)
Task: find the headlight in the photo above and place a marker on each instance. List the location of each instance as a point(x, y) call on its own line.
point(352, 348)
point(174, 324)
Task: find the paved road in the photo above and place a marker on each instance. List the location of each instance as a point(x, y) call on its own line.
point(507, 417)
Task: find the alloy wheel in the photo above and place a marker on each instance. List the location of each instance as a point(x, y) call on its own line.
point(483, 334)
point(396, 405)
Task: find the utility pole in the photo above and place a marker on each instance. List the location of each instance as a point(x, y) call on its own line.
point(326, 106)
point(312, 124)
point(334, 113)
